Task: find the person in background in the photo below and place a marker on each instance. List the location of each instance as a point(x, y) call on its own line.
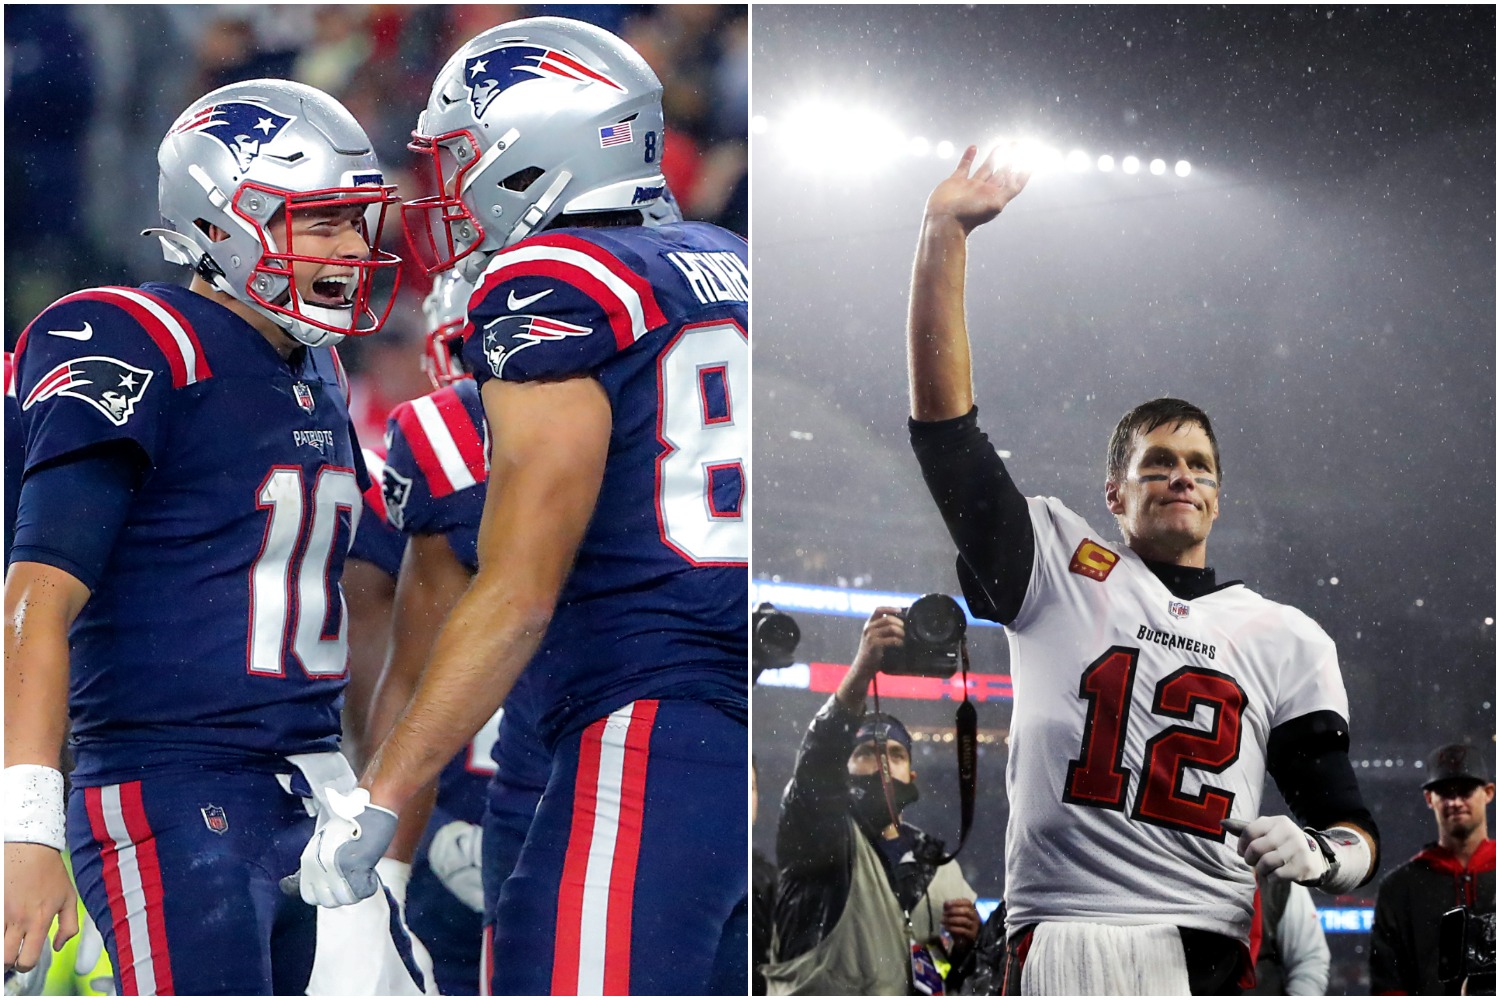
point(1458, 869)
point(1292, 958)
point(866, 905)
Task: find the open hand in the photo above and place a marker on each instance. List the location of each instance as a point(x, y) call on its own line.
point(974, 200)
point(37, 888)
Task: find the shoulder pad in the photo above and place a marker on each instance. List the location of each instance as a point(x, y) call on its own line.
point(615, 289)
point(116, 310)
point(448, 449)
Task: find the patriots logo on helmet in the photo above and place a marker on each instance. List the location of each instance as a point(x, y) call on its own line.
point(505, 336)
point(242, 127)
point(110, 386)
point(489, 74)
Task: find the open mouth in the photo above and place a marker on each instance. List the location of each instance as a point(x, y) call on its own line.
point(333, 291)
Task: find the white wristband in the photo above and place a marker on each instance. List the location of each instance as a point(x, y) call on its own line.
point(1350, 861)
point(34, 805)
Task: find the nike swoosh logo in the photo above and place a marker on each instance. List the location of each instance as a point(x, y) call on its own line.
point(514, 304)
point(84, 334)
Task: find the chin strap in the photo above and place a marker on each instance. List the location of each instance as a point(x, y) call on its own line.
point(533, 216)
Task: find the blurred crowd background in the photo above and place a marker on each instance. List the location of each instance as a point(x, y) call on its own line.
point(91, 89)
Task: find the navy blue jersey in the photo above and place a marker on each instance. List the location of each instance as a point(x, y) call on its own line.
point(14, 453)
point(435, 475)
point(436, 465)
point(217, 631)
point(377, 541)
point(655, 606)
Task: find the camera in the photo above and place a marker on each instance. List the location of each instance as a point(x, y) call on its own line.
point(774, 638)
point(1466, 949)
point(935, 627)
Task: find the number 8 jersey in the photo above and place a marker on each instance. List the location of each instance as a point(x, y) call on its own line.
point(655, 606)
point(1140, 724)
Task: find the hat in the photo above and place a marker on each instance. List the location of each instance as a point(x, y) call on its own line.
point(881, 727)
point(1456, 760)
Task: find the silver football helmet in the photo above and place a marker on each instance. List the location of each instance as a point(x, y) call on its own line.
point(249, 159)
point(534, 119)
point(445, 309)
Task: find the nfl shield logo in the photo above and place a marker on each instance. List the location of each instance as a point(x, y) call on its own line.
point(1178, 609)
point(215, 820)
point(304, 395)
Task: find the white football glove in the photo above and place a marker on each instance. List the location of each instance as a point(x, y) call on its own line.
point(1277, 846)
point(338, 863)
point(31, 982)
point(90, 950)
point(455, 858)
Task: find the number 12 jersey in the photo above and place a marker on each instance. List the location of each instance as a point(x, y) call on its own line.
point(1141, 723)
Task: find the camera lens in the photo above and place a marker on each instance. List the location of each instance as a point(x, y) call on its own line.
point(935, 619)
point(776, 635)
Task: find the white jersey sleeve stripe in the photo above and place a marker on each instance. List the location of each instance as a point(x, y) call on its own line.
point(174, 329)
point(443, 446)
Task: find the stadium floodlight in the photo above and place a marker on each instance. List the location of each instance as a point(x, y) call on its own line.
point(1106, 163)
point(758, 124)
point(919, 146)
point(1158, 167)
point(836, 140)
point(1131, 165)
point(944, 150)
point(1078, 161)
point(1183, 168)
point(1029, 155)
point(1040, 158)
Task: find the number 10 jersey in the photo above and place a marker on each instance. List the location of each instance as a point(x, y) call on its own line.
point(1140, 724)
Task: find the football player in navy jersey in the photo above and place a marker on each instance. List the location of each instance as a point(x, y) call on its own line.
point(14, 455)
point(612, 365)
point(191, 486)
point(434, 476)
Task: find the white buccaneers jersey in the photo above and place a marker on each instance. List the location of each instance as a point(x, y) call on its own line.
point(1140, 724)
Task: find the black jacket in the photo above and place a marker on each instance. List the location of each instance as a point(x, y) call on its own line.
point(1404, 940)
point(813, 846)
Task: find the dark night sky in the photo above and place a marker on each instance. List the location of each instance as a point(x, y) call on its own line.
point(1323, 285)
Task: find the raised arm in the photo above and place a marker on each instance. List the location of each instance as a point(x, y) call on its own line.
point(937, 337)
point(812, 831)
point(984, 511)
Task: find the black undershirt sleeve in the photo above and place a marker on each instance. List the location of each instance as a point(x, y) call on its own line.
point(1309, 759)
point(985, 513)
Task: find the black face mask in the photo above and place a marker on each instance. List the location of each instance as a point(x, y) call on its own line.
point(867, 799)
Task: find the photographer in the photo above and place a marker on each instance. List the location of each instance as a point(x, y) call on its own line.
point(1458, 870)
point(862, 908)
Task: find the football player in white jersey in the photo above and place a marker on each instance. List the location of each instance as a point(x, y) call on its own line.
point(1151, 701)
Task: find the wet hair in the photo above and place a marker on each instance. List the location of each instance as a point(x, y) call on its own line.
point(599, 220)
point(1148, 417)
